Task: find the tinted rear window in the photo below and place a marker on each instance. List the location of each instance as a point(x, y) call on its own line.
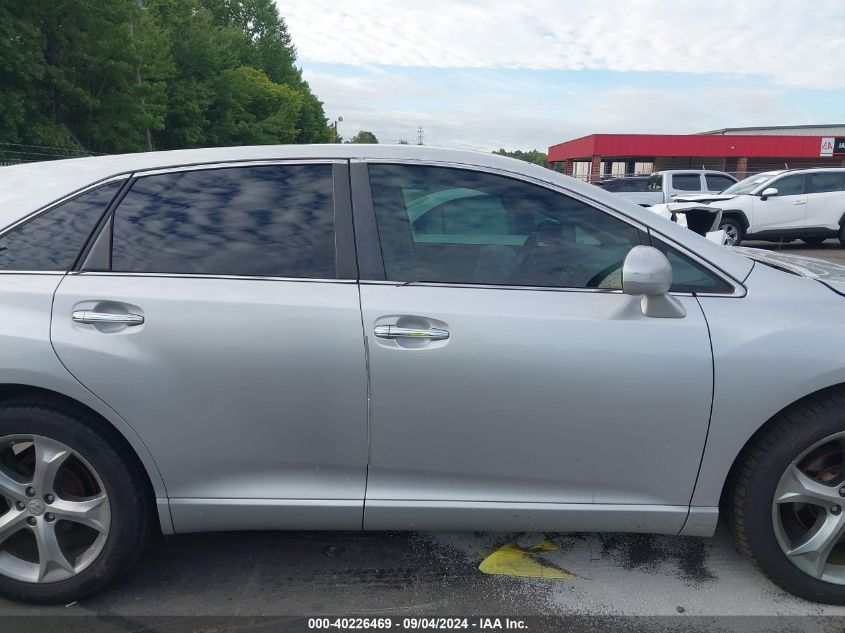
point(825, 182)
point(53, 240)
point(269, 220)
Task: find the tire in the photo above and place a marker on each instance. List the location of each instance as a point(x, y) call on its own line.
point(842, 235)
point(100, 472)
point(762, 472)
point(813, 241)
point(734, 231)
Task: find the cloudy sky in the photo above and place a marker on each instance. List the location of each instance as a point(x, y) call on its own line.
point(497, 73)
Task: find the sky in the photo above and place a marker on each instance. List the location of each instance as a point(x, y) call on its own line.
point(484, 74)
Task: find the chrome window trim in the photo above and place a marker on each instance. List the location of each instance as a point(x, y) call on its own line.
point(33, 272)
point(738, 288)
point(62, 200)
point(435, 284)
point(105, 273)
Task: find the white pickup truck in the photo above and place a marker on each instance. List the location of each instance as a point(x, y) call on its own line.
point(663, 186)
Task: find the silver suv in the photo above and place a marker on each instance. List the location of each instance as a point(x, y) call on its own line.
point(788, 204)
point(382, 338)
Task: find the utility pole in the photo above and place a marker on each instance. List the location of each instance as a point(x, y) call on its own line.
point(334, 125)
point(420, 135)
point(148, 142)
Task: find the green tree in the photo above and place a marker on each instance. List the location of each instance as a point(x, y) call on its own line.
point(250, 109)
point(531, 156)
point(107, 75)
point(364, 137)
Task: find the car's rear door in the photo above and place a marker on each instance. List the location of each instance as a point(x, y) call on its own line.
point(825, 199)
point(217, 312)
point(512, 383)
point(685, 183)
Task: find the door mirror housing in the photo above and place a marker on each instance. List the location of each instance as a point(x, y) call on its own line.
point(647, 272)
point(768, 192)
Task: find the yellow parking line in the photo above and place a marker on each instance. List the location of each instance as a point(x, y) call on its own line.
point(512, 560)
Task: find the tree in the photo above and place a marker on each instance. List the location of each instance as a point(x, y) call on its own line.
point(250, 109)
point(403, 142)
point(189, 73)
point(364, 137)
point(531, 156)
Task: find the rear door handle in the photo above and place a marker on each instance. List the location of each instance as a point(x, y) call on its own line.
point(89, 317)
point(394, 331)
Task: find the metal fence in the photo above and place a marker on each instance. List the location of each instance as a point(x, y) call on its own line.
point(17, 153)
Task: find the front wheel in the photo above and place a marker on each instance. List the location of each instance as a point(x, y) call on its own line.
point(842, 235)
point(786, 505)
point(74, 512)
point(734, 231)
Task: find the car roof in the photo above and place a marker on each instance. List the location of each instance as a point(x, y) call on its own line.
point(27, 188)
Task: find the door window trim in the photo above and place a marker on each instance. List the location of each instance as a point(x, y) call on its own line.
point(368, 243)
point(346, 266)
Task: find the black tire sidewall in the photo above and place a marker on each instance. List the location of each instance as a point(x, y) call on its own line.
point(127, 527)
point(758, 517)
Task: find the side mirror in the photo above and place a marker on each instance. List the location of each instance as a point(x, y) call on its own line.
point(647, 272)
point(768, 192)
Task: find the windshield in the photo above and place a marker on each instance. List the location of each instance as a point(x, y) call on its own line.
point(751, 183)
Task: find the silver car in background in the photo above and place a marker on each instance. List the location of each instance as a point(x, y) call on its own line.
point(397, 338)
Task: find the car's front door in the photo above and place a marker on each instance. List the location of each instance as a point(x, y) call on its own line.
point(786, 210)
point(511, 381)
point(224, 326)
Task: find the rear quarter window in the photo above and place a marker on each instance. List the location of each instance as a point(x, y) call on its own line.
point(53, 240)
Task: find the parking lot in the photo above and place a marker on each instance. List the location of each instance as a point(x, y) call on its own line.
point(830, 250)
point(590, 575)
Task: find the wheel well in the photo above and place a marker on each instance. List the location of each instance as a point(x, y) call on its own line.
point(11, 392)
point(728, 485)
point(737, 215)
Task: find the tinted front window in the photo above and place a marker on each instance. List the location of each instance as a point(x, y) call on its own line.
point(454, 226)
point(789, 185)
point(717, 183)
point(686, 182)
point(825, 182)
point(271, 220)
point(53, 240)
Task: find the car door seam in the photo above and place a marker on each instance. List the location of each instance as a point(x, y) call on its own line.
point(709, 417)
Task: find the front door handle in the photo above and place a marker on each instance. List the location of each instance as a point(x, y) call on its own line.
point(89, 317)
point(800, 202)
point(394, 331)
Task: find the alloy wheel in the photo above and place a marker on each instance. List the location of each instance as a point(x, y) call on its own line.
point(54, 511)
point(731, 234)
point(807, 510)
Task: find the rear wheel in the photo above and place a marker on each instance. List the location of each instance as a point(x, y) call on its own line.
point(74, 512)
point(842, 235)
point(786, 506)
point(734, 232)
